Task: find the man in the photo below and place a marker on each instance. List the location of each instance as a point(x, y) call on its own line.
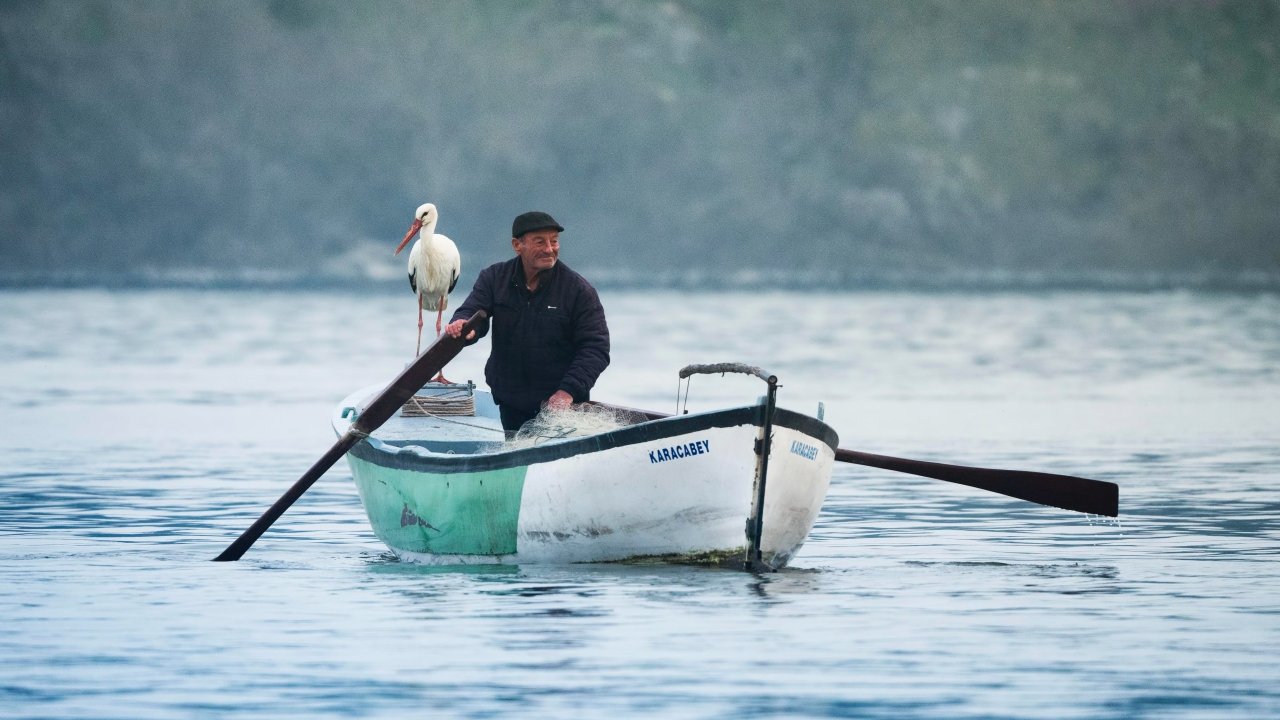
point(550, 339)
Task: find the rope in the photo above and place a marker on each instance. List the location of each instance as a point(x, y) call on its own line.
point(467, 424)
point(457, 403)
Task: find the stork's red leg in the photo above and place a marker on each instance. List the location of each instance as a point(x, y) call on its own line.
point(439, 315)
point(419, 352)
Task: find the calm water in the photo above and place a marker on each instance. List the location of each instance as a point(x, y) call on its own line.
point(144, 430)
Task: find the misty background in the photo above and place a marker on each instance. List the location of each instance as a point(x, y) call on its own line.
point(702, 142)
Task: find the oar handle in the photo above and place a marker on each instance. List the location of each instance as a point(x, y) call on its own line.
point(444, 349)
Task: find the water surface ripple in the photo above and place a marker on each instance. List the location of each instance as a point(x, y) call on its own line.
point(144, 430)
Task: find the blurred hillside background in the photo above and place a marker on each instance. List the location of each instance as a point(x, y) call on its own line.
point(699, 142)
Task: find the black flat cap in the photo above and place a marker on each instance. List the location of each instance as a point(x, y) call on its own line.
point(530, 221)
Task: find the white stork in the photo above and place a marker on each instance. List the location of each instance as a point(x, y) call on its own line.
point(434, 264)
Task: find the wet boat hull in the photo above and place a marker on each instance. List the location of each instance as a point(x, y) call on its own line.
point(677, 488)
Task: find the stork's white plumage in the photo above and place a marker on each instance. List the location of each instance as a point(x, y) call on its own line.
point(434, 265)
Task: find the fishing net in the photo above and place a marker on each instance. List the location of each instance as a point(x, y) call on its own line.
point(551, 425)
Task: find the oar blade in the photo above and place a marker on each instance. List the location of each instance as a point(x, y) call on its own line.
point(1095, 497)
point(237, 549)
point(1067, 492)
point(444, 349)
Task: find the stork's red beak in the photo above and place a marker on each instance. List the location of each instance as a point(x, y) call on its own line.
point(413, 230)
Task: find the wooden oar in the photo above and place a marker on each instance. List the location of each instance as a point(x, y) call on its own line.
point(1061, 491)
point(444, 349)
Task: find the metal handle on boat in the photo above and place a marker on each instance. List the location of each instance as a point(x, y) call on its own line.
point(754, 561)
point(722, 368)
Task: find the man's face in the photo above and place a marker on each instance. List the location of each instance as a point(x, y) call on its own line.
point(538, 250)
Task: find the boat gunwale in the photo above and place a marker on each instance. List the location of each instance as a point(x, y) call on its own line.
point(406, 455)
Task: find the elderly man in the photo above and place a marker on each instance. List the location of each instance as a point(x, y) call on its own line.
point(550, 339)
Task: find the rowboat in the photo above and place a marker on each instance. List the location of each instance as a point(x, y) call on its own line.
point(444, 489)
point(652, 487)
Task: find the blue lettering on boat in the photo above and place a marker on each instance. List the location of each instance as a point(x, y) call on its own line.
point(680, 452)
point(804, 450)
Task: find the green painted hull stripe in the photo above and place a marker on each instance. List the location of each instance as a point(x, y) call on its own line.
point(454, 514)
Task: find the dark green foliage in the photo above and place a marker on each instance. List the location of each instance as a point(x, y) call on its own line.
point(844, 138)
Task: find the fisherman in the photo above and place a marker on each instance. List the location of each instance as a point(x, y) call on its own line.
point(550, 339)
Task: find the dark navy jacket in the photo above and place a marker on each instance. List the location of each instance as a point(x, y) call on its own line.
point(554, 338)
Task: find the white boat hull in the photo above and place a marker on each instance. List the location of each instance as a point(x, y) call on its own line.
point(679, 489)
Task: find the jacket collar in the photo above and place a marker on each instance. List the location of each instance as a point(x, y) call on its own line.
point(545, 277)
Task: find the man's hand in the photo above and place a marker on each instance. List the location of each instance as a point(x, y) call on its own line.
point(454, 329)
point(560, 401)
